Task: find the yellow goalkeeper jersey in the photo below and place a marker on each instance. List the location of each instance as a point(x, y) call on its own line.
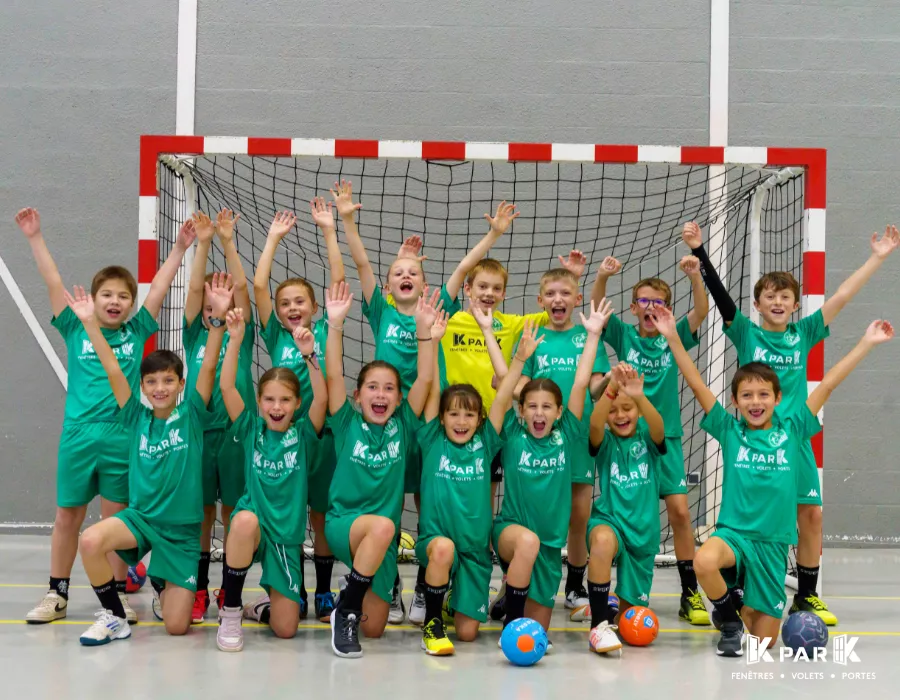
point(465, 353)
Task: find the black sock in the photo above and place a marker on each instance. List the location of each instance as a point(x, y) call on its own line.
point(688, 577)
point(158, 587)
point(324, 565)
point(357, 585)
point(233, 585)
point(109, 598)
point(420, 577)
point(203, 572)
point(434, 600)
point(737, 597)
point(574, 577)
point(121, 587)
point(61, 586)
point(599, 597)
point(725, 608)
point(807, 580)
point(515, 602)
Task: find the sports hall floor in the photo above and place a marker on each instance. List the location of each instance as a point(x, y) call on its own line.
point(863, 589)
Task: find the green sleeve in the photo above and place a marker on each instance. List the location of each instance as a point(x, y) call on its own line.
point(451, 305)
point(340, 421)
point(688, 339)
point(143, 325)
point(66, 323)
point(249, 338)
point(602, 451)
point(739, 333)
point(614, 335)
point(601, 362)
point(374, 310)
point(803, 423)
point(130, 414)
point(813, 330)
point(197, 410)
point(270, 334)
point(428, 433)
point(190, 333)
point(511, 426)
point(573, 430)
point(717, 422)
point(410, 421)
point(652, 447)
point(491, 440)
point(309, 438)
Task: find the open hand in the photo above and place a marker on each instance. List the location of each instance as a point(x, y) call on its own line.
point(439, 327)
point(219, 294)
point(888, 242)
point(203, 227)
point(186, 235)
point(575, 263)
point(338, 301)
point(501, 221)
point(225, 221)
point(662, 318)
point(529, 341)
point(234, 322)
point(411, 248)
point(427, 309)
point(628, 380)
point(82, 304)
point(483, 317)
point(282, 223)
point(322, 214)
point(596, 322)
point(343, 198)
point(29, 220)
point(609, 267)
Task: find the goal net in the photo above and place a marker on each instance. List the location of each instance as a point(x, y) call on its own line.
point(752, 216)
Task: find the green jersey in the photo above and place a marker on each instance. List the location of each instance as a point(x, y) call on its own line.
point(395, 335)
point(194, 336)
point(537, 479)
point(784, 351)
point(456, 486)
point(629, 487)
point(371, 462)
point(165, 465)
point(283, 352)
point(557, 358)
point(276, 471)
point(90, 398)
point(652, 358)
point(759, 487)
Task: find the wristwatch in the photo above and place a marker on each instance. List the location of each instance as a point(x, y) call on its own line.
point(216, 322)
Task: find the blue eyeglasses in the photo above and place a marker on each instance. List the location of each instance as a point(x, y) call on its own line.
point(647, 303)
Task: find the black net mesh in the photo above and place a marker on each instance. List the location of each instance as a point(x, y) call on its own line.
point(634, 212)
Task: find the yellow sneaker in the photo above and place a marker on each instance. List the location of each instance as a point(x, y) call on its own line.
point(693, 609)
point(434, 639)
point(814, 604)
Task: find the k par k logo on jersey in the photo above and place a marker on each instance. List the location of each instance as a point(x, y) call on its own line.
point(842, 651)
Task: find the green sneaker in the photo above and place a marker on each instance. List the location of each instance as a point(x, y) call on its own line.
point(814, 604)
point(693, 610)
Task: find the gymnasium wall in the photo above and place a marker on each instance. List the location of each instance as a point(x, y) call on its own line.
point(81, 83)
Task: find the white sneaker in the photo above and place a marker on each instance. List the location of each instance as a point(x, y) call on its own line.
point(577, 601)
point(156, 606)
point(106, 629)
point(230, 636)
point(603, 639)
point(130, 614)
point(417, 609)
point(398, 610)
point(52, 607)
point(259, 609)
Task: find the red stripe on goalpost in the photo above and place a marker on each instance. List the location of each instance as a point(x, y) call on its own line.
point(348, 148)
point(615, 154)
point(443, 150)
point(268, 147)
point(152, 147)
point(531, 152)
point(148, 260)
point(702, 155)
point(815, 161)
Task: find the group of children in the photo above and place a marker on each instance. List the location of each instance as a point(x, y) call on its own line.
point(432, 415)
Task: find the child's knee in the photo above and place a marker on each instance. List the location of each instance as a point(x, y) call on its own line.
point(177, 627)
point(442, 551)
point(284, 628)
point(528, 546)
point(382, 529)
point(91, 543)
point(705, 562)
point(372, 629)
point(68, 519)
point(244, 524)
point(317, 521)
point(602, 540)
point(466, 633)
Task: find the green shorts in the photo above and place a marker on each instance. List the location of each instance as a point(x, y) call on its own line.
point(92, 459)
point(671, 469)
point(634, 570)
point(337, 532)
point(321, 471)
point(470, 580)
point(809, 491)
point(223, 467)
point(282, 567)
point(175, 548)
point(412, 481)
point(584, 467)
point(546, 574)
point(760, 571)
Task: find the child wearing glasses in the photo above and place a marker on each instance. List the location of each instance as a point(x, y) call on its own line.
point(648, 352)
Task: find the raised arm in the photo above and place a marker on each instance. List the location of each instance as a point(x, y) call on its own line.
point(323, 216)
point(665, 324)
point(83, 306)
point(881, 249)
point(877, 333)
point(203, 228)
point(426, 314)
point(162, 280)
point(609, 267)
point(690, 265)
point(499, 224)
point(433, 404)
point(225, 223)
point(306, 344)
point(594, 325)
point(632, 384)
point(219, 294)
point(29, 220)
point(282, 223)
point(694, 240)
point(485, 319)
point(527, 345)
point(601, 411)
point(343, 200)
point(338, 301)
point(231, 397)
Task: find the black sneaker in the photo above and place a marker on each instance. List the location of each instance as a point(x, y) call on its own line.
point(345, 634)
point(730, 641)
point(497, 609)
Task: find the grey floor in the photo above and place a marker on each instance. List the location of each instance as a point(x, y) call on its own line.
point(862, 586)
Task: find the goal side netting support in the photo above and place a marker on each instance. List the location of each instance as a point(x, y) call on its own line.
point(761, 209)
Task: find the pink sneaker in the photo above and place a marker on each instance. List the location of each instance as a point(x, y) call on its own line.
point(230, 636)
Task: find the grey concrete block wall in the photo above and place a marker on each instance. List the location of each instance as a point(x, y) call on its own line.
point(81, 82)
point(826, 74)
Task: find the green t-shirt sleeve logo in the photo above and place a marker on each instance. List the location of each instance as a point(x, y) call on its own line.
point(777, 438)
point(496, 325)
